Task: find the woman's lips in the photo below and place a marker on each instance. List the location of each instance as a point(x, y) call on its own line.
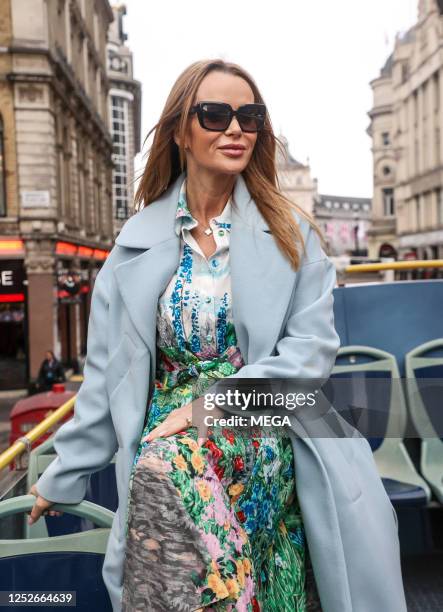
point(233, 152)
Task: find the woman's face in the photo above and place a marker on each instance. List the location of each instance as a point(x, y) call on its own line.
point(204, 151)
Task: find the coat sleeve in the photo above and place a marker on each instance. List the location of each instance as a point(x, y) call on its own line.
point(87, 442)
point(308, 346)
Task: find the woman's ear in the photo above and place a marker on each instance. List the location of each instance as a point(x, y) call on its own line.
point(177, 138)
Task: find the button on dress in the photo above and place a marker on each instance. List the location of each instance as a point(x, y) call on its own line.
point(217, 527)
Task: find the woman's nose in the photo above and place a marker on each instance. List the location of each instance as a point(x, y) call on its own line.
point(233, 127)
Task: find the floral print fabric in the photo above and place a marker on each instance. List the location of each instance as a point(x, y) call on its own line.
point(195, 307)
point(216, 527)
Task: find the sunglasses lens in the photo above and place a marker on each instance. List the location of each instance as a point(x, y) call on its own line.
point(215, 117)
point(252, 119)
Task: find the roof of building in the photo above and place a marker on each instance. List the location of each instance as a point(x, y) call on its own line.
point(387, 68)
point(407, 37)
point(342, 205)
point(401, 38)
point(351, 199)
point(290, 160)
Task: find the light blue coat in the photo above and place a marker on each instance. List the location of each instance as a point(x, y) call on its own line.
point(285, 328)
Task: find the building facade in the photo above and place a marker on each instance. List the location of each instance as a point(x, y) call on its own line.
point(56, 222)
point(345, 222)
point(295, 178)
point(406, 127)
point(124, 118)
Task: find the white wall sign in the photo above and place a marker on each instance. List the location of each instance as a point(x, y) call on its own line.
point(35, 199)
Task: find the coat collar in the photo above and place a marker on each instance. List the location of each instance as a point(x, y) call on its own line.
point(262, 279)
point(155, 223)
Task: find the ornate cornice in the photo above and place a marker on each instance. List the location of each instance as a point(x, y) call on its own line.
point(63, 78)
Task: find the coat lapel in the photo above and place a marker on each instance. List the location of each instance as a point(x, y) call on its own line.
point(262, 279)
point(141, 279)
point(262, 282)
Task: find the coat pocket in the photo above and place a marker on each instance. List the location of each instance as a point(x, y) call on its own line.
point(119, 362)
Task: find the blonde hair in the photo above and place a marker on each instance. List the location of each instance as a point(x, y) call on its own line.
point(167, 160)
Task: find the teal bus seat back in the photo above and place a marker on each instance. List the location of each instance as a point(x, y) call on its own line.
point(376, 396)
point(102, 490)
point(424, 378)
point(70, 562)
point(352, 398)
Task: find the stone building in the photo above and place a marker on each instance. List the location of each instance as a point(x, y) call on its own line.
point(345, 222)
point(406, 127)
point(56, 225)
point(124, 118)
point(295, 178)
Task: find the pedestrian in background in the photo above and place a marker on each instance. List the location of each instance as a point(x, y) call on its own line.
point(51, 371)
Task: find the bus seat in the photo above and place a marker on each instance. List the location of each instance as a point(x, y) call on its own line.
point(70, 562)
point(424, 392)
point(368, 393)
point(101, 490)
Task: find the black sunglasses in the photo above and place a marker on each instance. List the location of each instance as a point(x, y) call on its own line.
point(217, 116)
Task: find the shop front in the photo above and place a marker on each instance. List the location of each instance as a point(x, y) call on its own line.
point(76, 269)
point(44, 311)
point(13, 316)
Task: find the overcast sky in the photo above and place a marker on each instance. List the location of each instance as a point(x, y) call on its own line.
point(312, 60)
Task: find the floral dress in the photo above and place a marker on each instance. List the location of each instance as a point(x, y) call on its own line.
point(216, 527)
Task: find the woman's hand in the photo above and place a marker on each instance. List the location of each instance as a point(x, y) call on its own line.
point(40, 507)
point(177, 421)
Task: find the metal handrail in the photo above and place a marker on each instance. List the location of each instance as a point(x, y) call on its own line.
point(24, 442)
point(395, 265)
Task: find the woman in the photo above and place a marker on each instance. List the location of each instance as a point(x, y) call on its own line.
point(229, 487)
point(208, 282)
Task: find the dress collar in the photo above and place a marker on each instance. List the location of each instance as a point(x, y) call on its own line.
point(185, 220)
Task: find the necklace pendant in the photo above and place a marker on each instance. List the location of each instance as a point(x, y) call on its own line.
point(208, 231)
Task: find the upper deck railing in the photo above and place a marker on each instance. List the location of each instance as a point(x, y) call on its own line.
point(24, 442)
point(412, 264)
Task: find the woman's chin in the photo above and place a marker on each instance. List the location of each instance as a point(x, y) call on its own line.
point(233, 166)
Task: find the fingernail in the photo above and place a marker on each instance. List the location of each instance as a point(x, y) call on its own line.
point(30, 521)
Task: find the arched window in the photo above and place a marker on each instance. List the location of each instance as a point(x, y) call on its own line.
point(2, 173)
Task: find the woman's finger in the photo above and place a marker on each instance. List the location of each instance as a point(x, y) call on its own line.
point(170, 426)
point(155, 433)
point(36, 512)
point(164, 429)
